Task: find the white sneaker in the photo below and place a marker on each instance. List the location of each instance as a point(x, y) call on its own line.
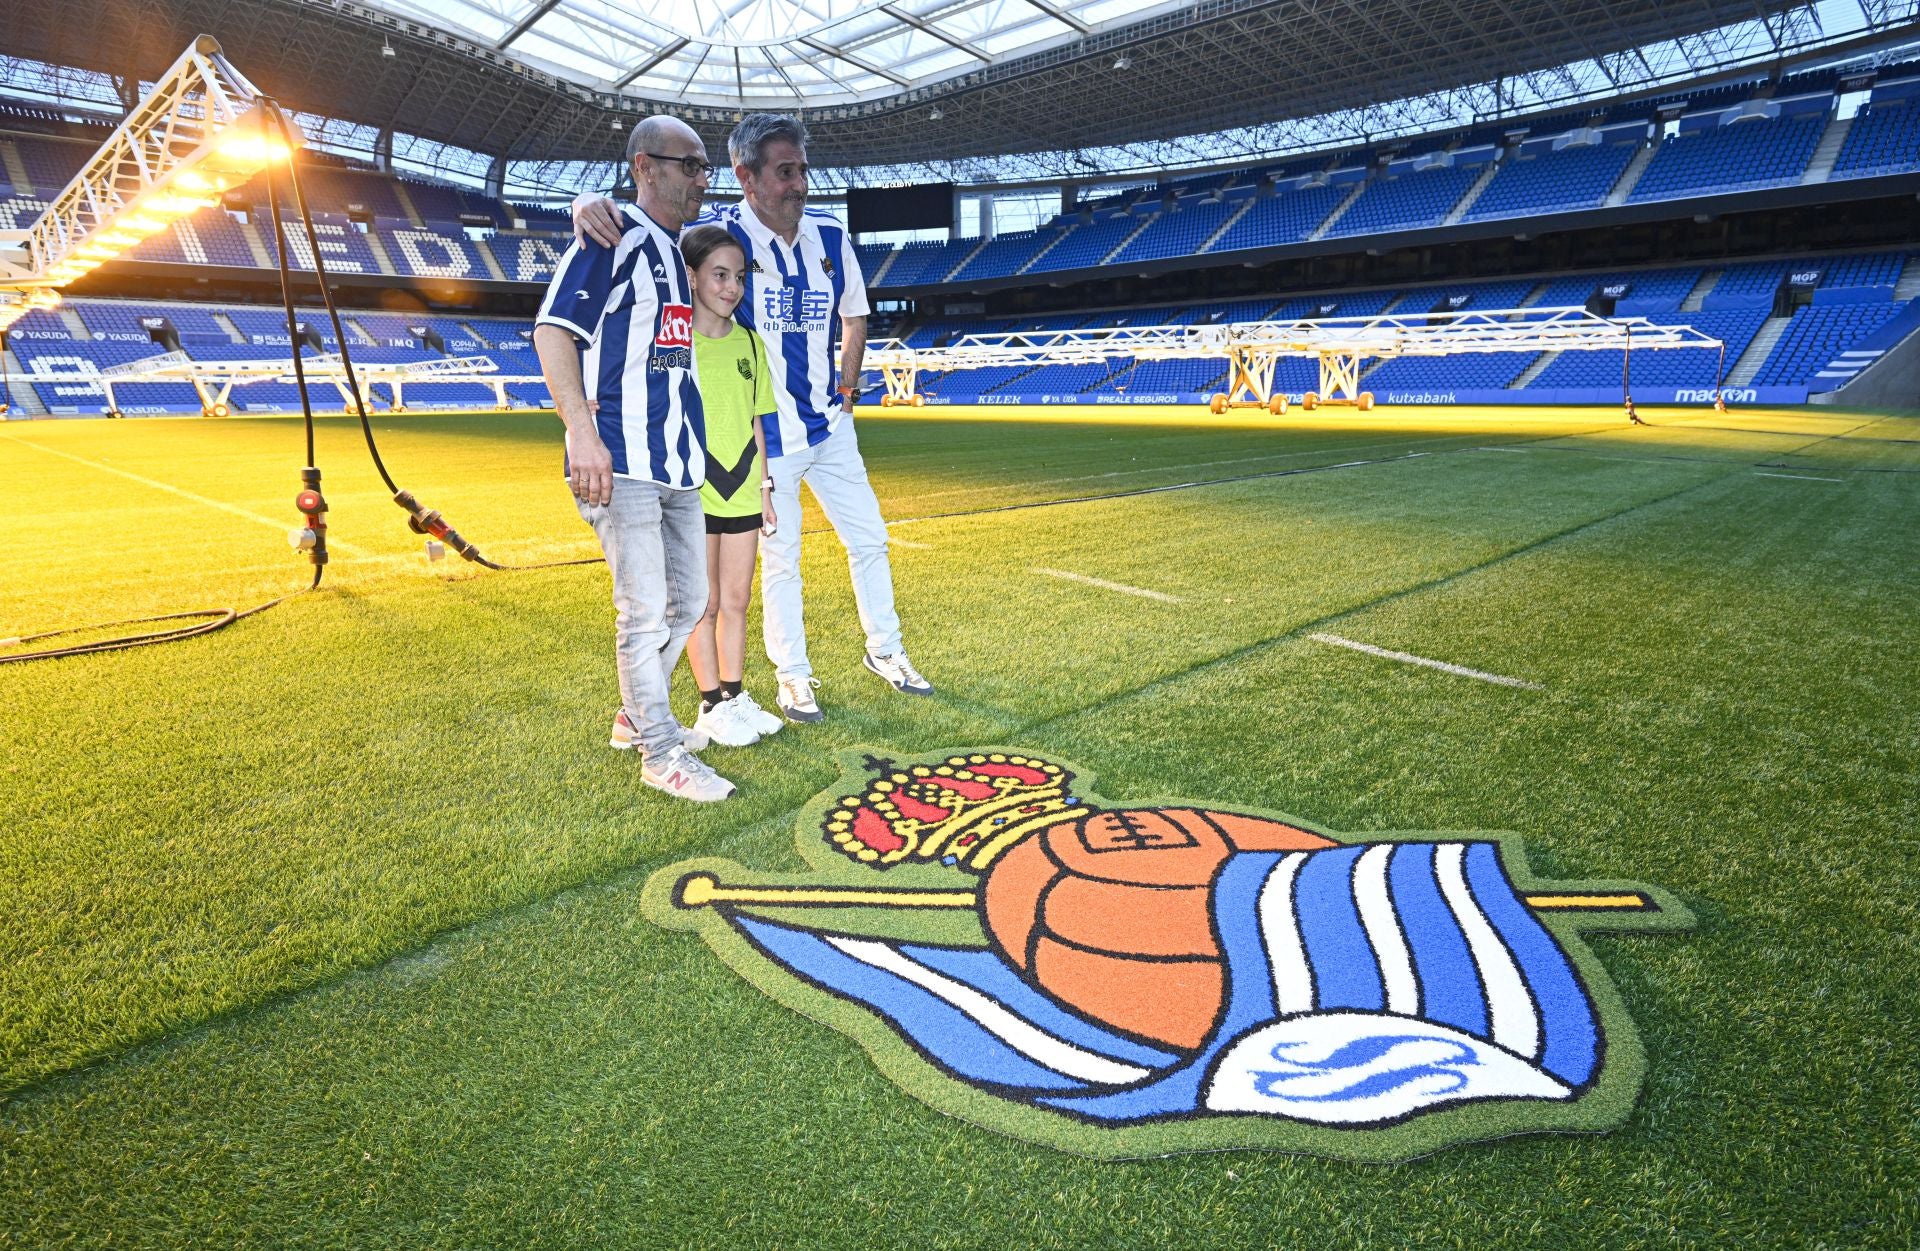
point(684, 775)
point(626, 738)
point(796, 698)
point(726, 725)
point(899, 673)
point(751, 713)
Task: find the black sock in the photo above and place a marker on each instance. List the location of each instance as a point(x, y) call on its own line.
point(710, 699)
point(729, 689)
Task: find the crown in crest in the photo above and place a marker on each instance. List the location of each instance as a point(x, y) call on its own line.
point(963, 812)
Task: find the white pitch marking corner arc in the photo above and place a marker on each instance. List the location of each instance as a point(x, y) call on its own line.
point(1023, 1036)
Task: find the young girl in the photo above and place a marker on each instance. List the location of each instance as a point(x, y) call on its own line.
point(736, 390)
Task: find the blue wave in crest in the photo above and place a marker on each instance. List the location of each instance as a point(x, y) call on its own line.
point(1357, 1054)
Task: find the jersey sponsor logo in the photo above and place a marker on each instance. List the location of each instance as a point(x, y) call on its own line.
point(1136, 979)
point(676, 326)
point(796, 309)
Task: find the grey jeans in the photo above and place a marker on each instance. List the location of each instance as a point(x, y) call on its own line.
point(655, 540)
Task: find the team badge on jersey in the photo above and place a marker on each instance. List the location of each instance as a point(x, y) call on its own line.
point(1126, 980)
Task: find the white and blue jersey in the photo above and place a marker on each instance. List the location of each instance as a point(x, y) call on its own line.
point(631, 307)
point(795, 297)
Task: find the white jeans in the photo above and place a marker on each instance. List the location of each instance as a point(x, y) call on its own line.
point(838, 477)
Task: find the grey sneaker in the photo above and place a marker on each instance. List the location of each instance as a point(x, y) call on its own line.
point(899, 673)
point(796, 698)
point(626, 738)
point(684, 775)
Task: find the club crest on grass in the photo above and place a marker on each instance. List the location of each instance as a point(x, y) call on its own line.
point(1138, 979)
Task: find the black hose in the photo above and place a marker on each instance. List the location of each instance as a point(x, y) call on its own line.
point(422, 519)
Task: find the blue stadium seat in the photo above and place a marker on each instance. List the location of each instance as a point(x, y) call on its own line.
point(343, 245)
point(1086, 245)
point(1007, 253)
point(1553, 182)
point(1420, 198)
point(1675, 367)
point(1283, 217)
point(1884, 139)
point(528, 257)
point(1739, 156)
point(445, 252)
point(1181, 232)
point(1816, 336)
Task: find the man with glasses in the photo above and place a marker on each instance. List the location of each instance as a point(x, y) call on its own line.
point(615, 337)
point(803, 285)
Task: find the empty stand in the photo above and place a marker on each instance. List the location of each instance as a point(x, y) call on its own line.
point(1553, 182)
point(1885, 139)
point(1419, 198)
point(1732, 157)
point(1283, 217)
point(1816, 336)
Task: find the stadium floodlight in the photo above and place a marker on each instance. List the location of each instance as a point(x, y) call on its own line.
point(202, 130)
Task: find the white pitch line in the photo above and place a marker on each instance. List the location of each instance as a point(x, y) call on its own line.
point(1408, 658)
point(1797, 477)
point(282, 525)
point(896, 541)
point(1105, 585)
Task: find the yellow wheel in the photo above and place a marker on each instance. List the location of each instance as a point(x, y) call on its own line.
point(1365, 402)
point(886, 401)
point(1310, 401)
point(918, 401)
point(1720, 405)
point(1277, 405)
point(1218, 404)
point(220, 410)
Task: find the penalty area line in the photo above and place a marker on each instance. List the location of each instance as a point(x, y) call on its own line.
point(1797, 477)
point(1334, 640)
point(1105, 585)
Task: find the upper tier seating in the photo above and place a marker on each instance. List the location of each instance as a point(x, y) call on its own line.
point(343, 245)
point(1745, 154)
point(443, 252)
point(528, 258)
point(1884, 139)
point(1283, 217)
point(1181, 232)
point(1006, 254)
point(1421, 198)
point(209, 237)
point(1086, 245)
point(50, 163)
point(1553, 182)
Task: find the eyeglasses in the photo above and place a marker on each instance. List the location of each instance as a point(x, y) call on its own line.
point(691, 166)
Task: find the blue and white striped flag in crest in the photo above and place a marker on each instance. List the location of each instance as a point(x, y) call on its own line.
point(1364, 984)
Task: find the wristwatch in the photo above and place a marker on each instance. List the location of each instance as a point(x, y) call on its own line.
point(849, 393)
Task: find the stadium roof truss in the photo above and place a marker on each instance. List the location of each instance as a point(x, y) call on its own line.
point(1252, 349)
point(899, 84)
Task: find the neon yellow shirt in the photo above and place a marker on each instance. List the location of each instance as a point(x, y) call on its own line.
point(735, 386)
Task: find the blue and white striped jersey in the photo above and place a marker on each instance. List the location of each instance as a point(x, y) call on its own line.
point(795, 298)
point(632, 309)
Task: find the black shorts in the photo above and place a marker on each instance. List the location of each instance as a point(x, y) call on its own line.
point(732, 525)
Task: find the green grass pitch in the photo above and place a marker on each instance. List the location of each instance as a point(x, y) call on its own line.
point(322, 930)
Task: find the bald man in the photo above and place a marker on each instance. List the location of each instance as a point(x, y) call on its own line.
point(615, 337)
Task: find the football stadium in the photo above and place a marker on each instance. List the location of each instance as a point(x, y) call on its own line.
point(1404, 519)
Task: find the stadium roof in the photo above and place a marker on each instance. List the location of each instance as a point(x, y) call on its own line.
point(894, 82)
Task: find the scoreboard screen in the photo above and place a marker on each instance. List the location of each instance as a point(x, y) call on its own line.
point(928, 206)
